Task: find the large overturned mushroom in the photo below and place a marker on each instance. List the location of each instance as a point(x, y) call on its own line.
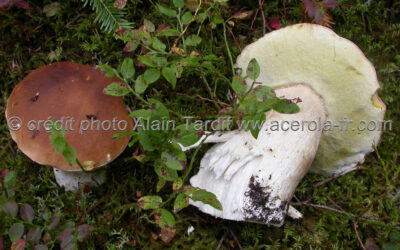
point(71, 96)
point(335, 84)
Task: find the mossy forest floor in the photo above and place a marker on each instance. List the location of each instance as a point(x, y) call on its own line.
point(368, 200)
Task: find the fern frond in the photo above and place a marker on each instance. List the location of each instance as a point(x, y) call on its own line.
point(109, 17)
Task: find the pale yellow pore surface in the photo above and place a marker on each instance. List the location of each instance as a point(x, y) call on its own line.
point(339, 72)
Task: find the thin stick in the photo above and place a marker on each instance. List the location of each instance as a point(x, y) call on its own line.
point(355, 225)
point(334, 177)
point(221, 240)
point(236, 240)
point(261, 3)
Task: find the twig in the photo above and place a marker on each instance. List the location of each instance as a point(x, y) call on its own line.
point(261, 3)
point(306, 204)
point(186, 27)
point(355, 225)
point(221, 240)
point(234, 39)
point(255, 15)
point(236, 240)
point(203, 99)
point(334, 177)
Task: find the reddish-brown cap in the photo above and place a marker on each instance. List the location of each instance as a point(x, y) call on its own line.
point(71, 94)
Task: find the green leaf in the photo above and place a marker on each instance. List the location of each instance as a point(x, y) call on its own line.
point(187, 17)
point(158, 45)
point(140, 84)
point(141, 113)
point(286, 107)
point(149, 25)
point(238, 85)
point(153, 61)
point(253, 69)
point(145, 140)
point(158, 110)
point(255, 123)
point(150, 202)
point(16, 231)
point(151, 75)
point(10, 208)
point(165, 173)
point(166, 11)
point(170, 32)
point(217, 19)
point(51, 9)
point(34, 235)
point(173, 157)
point(181, 201)
point(116, 89)
point(70, 155)
point(193, 40)
point(187, 135)
point(110, 71)
point(127, 68)
point(207, 198)
point(59, 143)
point(160, 184)
point(179, 3)
point(83, 232)
point(165, 219)
point(26, 212)
point(169, 75)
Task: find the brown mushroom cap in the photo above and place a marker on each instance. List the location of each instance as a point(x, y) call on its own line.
point(68, 90)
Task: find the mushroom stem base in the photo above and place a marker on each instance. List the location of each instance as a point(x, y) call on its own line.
point(73, 180)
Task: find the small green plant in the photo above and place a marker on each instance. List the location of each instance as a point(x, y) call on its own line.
point(22, 227)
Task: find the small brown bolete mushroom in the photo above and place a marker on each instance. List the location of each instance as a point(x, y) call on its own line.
point(71, 96)
point(335, 86)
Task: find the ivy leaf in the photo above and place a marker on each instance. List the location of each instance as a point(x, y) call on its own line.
point(150, 202)
point(207, 198)
point(165, 173)
point(173, 157)
point(253, 69)
point(187, 135)
point(193, 40)
point(186, 18)
point(151, 75)
point(180, 203)
point(116, 89)
point(84, 231)
point(18, 245)
point(34, 235)
point(11, 208)
point(110, 71)
point(16, 231)
point(166, 11)
point(286, 107)
point(179, 3)
point(26, 212)
point(169, 75)
point(127, 68)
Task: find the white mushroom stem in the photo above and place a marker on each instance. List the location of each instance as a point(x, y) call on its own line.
point(254, 179)
point(73, 180)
